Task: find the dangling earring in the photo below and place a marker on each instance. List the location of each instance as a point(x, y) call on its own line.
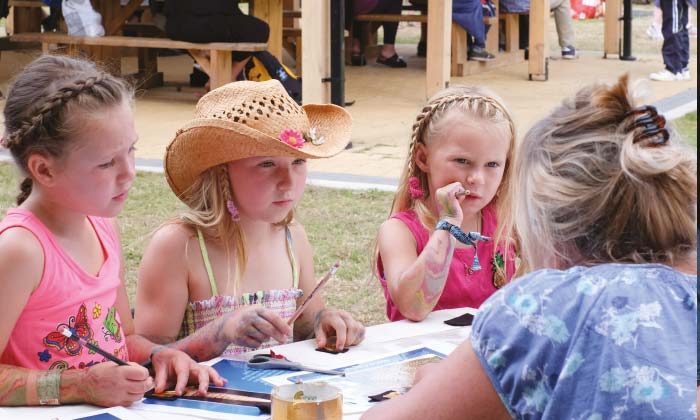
point(414, 188)
point(233, 210)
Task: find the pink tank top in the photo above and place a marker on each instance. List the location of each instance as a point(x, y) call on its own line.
point(67, 296)
point(463, 288)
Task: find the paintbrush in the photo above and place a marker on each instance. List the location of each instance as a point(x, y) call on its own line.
point(320, 284)
point(68, 333)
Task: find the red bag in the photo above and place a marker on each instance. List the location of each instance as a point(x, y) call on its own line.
point(587, 9)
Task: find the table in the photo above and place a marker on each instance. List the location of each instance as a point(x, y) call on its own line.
point(379, 340)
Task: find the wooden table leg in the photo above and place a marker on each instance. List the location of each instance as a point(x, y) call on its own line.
point(271, 12)
point(538, 48)
point(437, 62)
point(611, 35)
point(315, 37)
point(220, 68)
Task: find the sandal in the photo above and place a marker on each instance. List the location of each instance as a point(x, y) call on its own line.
point(394, 61)
point(358, 60)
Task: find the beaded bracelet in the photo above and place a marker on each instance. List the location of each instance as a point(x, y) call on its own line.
point(467, 239)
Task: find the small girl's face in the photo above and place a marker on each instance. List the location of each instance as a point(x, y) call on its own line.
point(473, 154)
point(96, 172)
point(267, 188)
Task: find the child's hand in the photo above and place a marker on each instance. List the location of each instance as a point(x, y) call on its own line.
point(449, 199)
point(252, 326)
point(108, 384)
point(346, 329)
point(174, 366)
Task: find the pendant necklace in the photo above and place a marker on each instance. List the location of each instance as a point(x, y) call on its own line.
point(476, 266)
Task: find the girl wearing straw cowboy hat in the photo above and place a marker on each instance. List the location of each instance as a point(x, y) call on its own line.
point(230, 270)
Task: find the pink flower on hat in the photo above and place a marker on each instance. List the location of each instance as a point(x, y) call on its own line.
point(292, 137)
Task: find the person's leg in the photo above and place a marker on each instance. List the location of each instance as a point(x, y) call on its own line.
point(563, 22)
point(388, 7)
point(469, 15)
point(675, 34)
point(387, 54)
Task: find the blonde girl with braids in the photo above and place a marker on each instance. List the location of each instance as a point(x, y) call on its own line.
point(447, 243)
point(227, 275)
point(70, 130)
point(606, 215)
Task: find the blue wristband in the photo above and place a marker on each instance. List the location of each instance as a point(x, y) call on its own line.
point(467, 239)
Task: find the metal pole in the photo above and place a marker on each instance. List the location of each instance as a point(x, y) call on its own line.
point(627, 32)
point(338, 52)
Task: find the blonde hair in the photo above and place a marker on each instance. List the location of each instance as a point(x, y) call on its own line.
point(589, 191)
point(207, 200)
point(482, 106)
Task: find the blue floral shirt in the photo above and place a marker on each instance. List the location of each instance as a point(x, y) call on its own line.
point(614, 341)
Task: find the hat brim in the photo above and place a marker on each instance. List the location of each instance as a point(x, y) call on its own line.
point(207, 142)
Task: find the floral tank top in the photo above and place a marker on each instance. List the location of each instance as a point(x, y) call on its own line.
point(282, 301)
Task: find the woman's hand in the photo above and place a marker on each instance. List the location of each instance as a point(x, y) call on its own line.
point(347, 331)
point(449, 199)
point(108, 384)
point(174, 366)
point(252, 326)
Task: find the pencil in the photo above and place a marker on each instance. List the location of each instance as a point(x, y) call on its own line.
point(68, 333)
point(320, 284)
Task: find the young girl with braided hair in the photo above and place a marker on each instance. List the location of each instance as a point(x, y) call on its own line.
point(603, 327)
point(447, 243)
point(70, 130)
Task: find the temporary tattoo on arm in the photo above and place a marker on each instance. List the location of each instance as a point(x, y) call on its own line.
point(305, 328)
point(13, 385)
point(437, 258)
point(429, 274)
point(208, 342)
point(445, 207)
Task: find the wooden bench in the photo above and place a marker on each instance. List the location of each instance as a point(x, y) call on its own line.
point(460, 66)
point(214, 57)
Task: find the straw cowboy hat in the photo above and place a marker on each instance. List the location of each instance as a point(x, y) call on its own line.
point(247, 119)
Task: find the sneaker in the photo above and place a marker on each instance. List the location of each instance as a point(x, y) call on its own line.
point(654, 32)
point(667, 76)
point(568, 53)
point(479, 54)
point(685, 74)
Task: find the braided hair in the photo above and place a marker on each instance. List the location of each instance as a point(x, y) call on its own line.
point(42, 100)
point(474, 103)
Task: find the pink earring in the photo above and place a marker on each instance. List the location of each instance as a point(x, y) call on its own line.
point(414, 188)
point(233, 211)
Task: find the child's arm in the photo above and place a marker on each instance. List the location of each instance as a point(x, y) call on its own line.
point(317, 319)
point(163, 293)
point(169, 364)
point(457, 387)
point(106, 384)
point(415, 282)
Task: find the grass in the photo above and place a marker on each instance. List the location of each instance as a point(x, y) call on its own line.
point(687, 127)
point(341, 225)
